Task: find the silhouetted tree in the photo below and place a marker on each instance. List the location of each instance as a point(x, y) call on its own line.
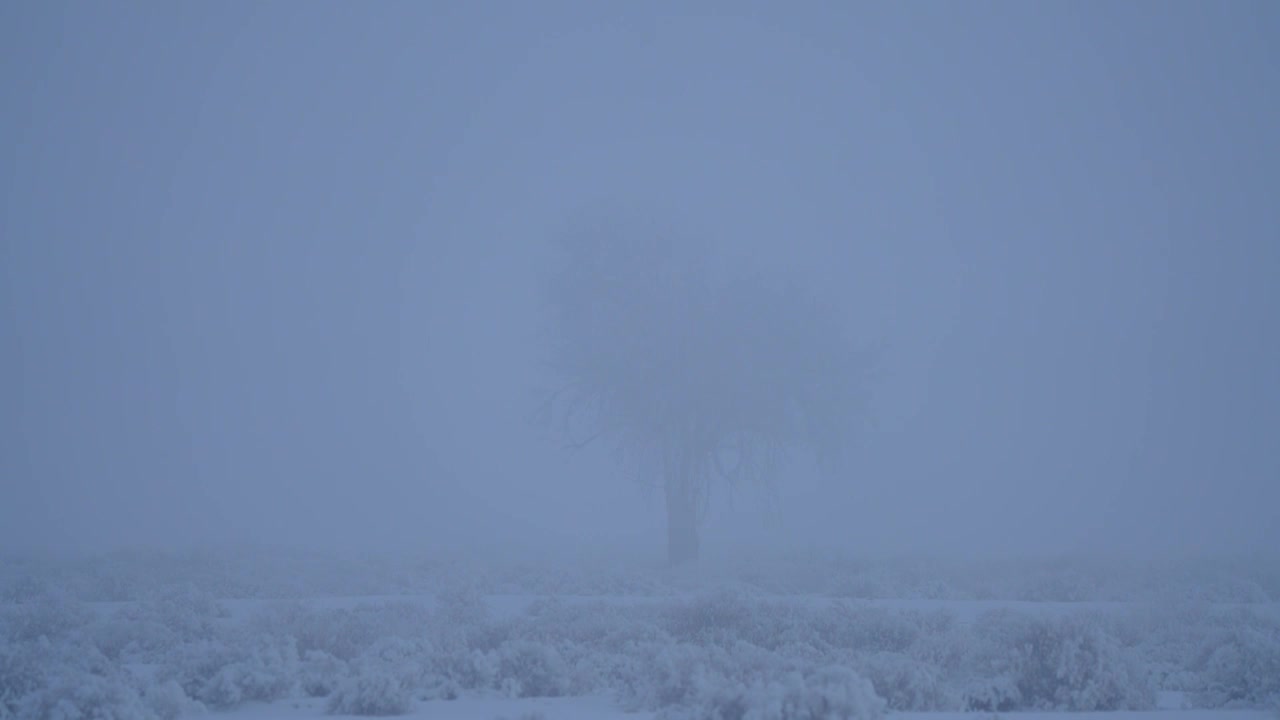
point(692, 376)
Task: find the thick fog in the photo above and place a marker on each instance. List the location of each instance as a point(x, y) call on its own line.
point(274, 273)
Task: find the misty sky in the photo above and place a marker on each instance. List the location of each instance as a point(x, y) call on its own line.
point(269, 273)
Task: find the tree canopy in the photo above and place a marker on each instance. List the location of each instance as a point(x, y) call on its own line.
point(694, 375)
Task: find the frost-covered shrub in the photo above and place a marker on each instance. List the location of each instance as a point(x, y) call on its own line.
point(601, 625)
point(413, 664)
point(728, 615)
point(23, 666)
point(721, 616)
point(948, 647)
point(665, 674)
point(825, 694)
point(455, 660)
point(807, 655)
point(343, 633)
point(188, 612)
point(1065, 663)
point(40, 679)
point(991, 694)
point(371, 691)
point(528, 669)
point(595, 641)
point(167, 701)
point(402, 658)
point(319, 673)
point(23, 585)
point(867, 629)
point(1240, 665)
point(906, 683)
point(146, 631)
point(265, 672)
point(591, 671)
point(462, 605)
point(73, 696)
point(52, 615)
point(384, 679)
point(192, 665)
point(1171, 639)
point(224, 674)
point(661, 675)
point(129, 636)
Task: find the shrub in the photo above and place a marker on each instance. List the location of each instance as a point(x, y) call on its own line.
point(721, 617)
point(343, 633)
point(72, 696)
point(23, 666)
point(68, 680)
point(907, 684)
point(320, 673)
point(52, 615)
point(372, 691)
point(411, 664)
point(192, 665)
point(1240, 666)
point(223, 675)
point(189, 613)
point(264, 673)
point(664, 675)
point(132, 636)
point(454, 661)
point(1060, 664)
point(462, 605)
point(661, 675)
point(825, 694)
point(991, 695)
point(867, 629)
point(528, 669)
point(167, 701)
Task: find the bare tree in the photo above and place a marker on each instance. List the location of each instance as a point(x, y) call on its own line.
point(693, 377)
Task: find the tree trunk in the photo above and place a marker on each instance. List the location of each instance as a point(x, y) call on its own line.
point(682, 523)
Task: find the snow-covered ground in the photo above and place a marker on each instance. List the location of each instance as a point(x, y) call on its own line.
point(587, 707)
point(166, 638)
point(601, 707)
